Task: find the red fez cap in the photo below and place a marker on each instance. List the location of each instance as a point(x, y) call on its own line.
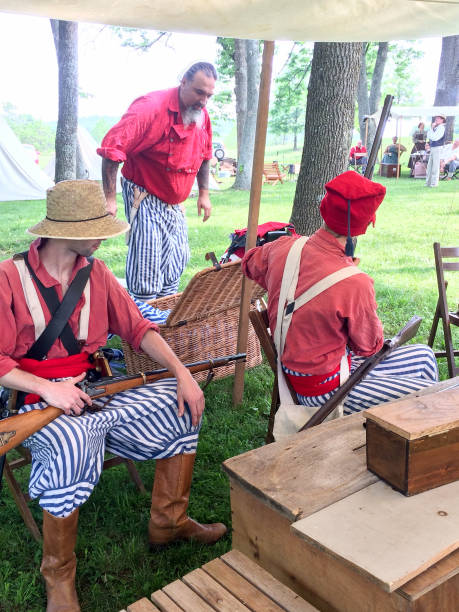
point(364, 196)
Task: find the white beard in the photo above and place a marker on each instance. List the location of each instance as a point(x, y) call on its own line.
point(191, 115)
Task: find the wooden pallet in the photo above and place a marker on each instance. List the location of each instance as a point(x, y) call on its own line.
point(230, 583)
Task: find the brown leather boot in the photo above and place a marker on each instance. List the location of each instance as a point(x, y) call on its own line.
point(58, 565)
point(169, 502)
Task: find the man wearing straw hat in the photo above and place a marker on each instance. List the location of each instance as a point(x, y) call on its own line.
point(158, 421)
point(338, 327)
point(164, 142)
point(436, 136)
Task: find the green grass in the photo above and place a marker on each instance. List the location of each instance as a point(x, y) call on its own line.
point(115, 566)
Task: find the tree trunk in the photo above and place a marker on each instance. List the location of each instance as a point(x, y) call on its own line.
point(362, 93)
point(240, 87)
point(447, 93)
point(376, 79)
point(245, 157)
point(328, 128)
point(65, 35)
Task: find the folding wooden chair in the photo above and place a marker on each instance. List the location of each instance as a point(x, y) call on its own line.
point(260, 323)
point(21, 498)
point(442, 310)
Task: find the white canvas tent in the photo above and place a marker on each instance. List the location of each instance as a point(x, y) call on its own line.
point(91, 161)
point(20, 177)
point(317, 20)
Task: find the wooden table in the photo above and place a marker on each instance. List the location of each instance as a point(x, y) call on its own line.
point(279, 484)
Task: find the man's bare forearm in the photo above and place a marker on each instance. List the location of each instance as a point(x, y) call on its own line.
point(203, 175)
point(109, 172)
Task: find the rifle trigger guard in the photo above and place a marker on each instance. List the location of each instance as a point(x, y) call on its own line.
point(210, 374)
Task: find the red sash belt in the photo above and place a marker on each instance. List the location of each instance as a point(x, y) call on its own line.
point(62, 367)
point(311, 386)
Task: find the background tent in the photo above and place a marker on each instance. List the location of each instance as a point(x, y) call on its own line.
point(317, 20)
point(20, 177)
point(91, 161)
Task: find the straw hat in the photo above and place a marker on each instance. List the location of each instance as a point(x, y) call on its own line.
point(76, 210)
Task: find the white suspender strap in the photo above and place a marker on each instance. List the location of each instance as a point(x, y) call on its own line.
point(34, 306)
point(31, 297)
point(288, 305)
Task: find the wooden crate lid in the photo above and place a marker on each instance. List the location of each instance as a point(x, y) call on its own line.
point(419, 416)
point(210, 291)
point(385, 535)
point(307, 471)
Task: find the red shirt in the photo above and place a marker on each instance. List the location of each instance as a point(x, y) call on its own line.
point(159, 152)
point(356, 149)
point(343, 315)
point(112, 310)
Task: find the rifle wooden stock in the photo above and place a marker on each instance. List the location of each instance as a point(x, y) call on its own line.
point(406, 333)
point(15, 429)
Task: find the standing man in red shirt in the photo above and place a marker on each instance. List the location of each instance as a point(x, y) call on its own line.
point(164, 141)
point(339, 327)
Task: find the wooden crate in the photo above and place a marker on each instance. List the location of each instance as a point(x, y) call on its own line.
point(276, 485)
point(389, 170)
point(413, 444)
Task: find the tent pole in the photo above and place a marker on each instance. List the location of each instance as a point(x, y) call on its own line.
point(254, 210)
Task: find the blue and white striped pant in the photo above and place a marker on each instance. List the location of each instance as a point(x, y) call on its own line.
point(158, 249)
point(68, 454)
point(407, 369)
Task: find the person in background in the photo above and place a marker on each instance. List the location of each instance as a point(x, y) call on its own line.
point(451, 159)
point(164, 141)
point(392, 152)
point(357, 156)
point(436, 136)
point(419, 137)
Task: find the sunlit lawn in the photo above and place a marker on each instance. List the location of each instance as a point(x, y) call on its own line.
point(115, 566)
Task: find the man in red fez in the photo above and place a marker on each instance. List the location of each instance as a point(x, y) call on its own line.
point(339, 326)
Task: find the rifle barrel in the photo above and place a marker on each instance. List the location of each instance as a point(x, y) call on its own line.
point(15, 429)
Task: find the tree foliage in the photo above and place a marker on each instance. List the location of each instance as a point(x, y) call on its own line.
point(29, 130)
point(141, 40)
point(288, 111)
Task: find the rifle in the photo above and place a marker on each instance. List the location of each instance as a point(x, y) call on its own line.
point(15, 429)
point(405, 334)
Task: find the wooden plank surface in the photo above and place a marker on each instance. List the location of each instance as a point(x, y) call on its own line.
point(416, 417)
point(164, 602)
point(185, 597)
point(262, 580)
point(309, 470)
point(212, 592)
point(241, 588)
point(143, 605)
point(438, 574)
point(385, 535)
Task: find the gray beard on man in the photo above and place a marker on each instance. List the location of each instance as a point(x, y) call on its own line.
point(193, 115)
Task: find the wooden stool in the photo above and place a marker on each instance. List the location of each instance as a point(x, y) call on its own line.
point(22, 498)
point(231, 582)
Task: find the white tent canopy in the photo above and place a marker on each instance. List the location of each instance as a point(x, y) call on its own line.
point(20, 177)
point(423, 111)
point(316, 20)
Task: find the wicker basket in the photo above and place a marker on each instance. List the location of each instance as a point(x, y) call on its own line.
point(203, 322)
